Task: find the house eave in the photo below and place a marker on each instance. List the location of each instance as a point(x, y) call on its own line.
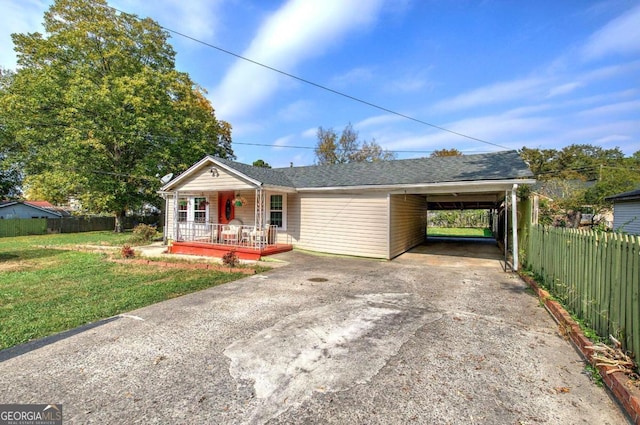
point(434, 187)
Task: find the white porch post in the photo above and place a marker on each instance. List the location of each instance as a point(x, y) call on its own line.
point(259, 217)
point(505, 238)
point(175, 215)
point(514, 226)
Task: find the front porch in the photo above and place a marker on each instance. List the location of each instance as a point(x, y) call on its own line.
point(216, 240)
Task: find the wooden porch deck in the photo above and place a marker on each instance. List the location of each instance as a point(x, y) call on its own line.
point(219, 250)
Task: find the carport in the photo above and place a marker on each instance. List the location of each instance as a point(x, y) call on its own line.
point(499, 197)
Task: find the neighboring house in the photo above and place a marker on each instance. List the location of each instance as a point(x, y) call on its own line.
point(558, 190)
point(375, 209)
point(626, 212)
point(30, 209)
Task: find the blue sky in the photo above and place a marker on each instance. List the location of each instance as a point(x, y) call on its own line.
point(541, 74)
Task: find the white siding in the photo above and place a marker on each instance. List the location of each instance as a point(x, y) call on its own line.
point(247, 212)
point(203, 181)
point(408, 223)
point(350, 224)
point(626, 217)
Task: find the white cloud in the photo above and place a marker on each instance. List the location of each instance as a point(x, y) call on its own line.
point(612, 71)
point(353, 76)
point(498, 129)
point(612, 109)
point(283, 142)
point(495, 93)
point(407, 84)
point(619, 36)
point(564, 89)
point(301, 29)
point(296, 110)
point(310, 132)
point(614, 138)
point(378, 121)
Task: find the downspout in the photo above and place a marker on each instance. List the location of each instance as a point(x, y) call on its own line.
point(514, 225)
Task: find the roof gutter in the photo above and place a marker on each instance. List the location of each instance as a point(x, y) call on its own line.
point(438, 185)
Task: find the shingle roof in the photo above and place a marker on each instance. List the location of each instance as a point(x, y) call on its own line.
point(489, 166)
point(625, 196)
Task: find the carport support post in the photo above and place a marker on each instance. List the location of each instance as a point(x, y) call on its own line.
point(514, 227)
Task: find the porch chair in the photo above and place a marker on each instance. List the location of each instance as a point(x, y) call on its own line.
point(260, 236)
point(231, 232)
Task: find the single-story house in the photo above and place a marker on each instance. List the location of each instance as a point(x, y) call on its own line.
point(373, 209)
point(30, 209)
point(626, 212)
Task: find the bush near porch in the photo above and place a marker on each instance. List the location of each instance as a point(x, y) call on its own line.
point(46, 288)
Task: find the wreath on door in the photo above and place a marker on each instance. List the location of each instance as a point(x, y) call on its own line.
point(227, 209)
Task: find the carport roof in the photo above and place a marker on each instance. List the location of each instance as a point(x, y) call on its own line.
point(506, 165)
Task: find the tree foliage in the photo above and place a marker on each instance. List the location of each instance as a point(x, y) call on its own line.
point(96, 109)
point(577, 161)
point(582, 175)
point(445, 152)
point(261, 163)
point(334, 149)
point(10, 175)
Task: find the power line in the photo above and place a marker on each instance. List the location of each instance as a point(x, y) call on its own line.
point(155, 137)
point(317, 85)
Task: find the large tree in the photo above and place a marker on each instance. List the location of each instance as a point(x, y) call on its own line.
point(97, 109)
point(333, 149)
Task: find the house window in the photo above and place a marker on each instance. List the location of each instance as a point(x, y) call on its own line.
point(277, 211)
point(182, 209)
point(193, 209)
point(200, 210)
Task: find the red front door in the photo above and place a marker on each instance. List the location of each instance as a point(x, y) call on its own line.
point(226, 210)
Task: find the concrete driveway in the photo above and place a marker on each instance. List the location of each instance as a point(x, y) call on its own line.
point(429, 338)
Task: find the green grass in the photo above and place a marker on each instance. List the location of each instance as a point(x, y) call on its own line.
point(468, 232)
point(45, 289)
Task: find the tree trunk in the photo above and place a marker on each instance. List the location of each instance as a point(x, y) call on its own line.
point(120, 222)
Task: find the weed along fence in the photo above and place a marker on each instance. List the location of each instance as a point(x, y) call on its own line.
point(595, 275)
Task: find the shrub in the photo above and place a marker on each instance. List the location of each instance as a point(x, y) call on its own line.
point(230, 259)
point(127, 252)
point(143, 233)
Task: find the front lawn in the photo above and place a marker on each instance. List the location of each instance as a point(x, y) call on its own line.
point(45, 288)
point(466, 232)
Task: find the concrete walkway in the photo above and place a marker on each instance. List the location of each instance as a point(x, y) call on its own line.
point(428, 338)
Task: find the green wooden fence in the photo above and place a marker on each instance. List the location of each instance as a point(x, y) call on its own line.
point(23, 227)
point(595, 275)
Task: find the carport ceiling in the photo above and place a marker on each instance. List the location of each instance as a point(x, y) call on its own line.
point(465, 201)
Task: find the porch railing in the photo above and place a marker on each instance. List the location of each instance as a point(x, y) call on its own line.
point(225, 234)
